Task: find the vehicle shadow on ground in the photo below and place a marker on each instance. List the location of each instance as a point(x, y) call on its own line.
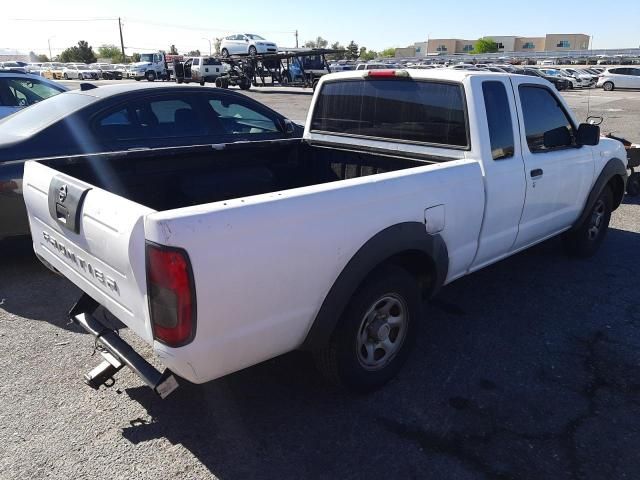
point(528, 369)
point(306, 91)
point(30, 290)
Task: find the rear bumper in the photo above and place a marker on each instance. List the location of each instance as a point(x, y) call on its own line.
point(119, 352)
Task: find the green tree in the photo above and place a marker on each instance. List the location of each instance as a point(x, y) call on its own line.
point(336, 56)
point(173, 50)
point(352, 50)
point(388, 52)
point(216, 45)
point(485, 45)
point(193, 53)
point(42, 58)
point(366, 55)
point(82, 53)
point(135, 57)
point(112, 52)
point(319, 42)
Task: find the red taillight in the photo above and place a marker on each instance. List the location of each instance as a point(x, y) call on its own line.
point(171, 295)
point(387, 74)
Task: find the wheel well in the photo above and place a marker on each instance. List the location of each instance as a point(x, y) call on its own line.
point(617, 188)
point(418, 264)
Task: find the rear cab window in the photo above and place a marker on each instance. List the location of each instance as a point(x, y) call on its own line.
point(499, 121)
point(406, 110)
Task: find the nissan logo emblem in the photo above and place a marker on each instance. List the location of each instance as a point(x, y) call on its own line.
point(62, 193)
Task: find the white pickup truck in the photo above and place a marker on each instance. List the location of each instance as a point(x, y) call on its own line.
point(223, 256)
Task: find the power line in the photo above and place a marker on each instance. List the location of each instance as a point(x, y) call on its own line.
point(91, 19)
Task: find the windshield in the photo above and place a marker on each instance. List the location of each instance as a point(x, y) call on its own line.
point(30, 120)
point(82, 67)
point(11, 64)
point(146, 57)
point(254, 37)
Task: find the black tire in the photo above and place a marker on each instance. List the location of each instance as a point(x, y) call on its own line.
point(285, 79)
point(150, 76)
point(253, 51)
point(608, 86)
point(65, 76)
point(570, 85)
point(633, 184)
point(315, 84)
point(343, 360)
point(584, 241)
point(245, 84)
point(224, 53)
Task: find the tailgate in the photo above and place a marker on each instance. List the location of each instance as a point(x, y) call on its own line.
point(94, 238)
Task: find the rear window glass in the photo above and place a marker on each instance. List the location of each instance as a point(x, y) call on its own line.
point(30, 120)
point(426, 112)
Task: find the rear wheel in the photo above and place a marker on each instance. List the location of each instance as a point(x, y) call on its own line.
point(253, 51)
point(375, 333)
point(224, 53)
point(66, 77)
point(608, 86)
point(585, 240)
point(245, 84)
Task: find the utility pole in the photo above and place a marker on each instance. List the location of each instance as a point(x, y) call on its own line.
point(296, 38)
point(209, 44)
point(124, 58)
point(49, 43)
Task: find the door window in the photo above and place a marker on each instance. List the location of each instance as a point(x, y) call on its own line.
point(239, 118)
point(499, 121)
point(547, 126)
point(22, 92)
point(196, 61)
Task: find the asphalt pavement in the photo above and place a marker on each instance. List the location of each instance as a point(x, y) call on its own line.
point(528, 369)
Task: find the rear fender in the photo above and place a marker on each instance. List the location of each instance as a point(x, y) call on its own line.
point(389, 243)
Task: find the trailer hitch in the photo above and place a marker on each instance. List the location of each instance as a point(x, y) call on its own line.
point(116, 353)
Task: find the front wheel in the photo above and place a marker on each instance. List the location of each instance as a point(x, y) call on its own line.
point(584, 240)
point(608, 86)
point(633, 184)
point(224, 53)
point(375, 333)
point(66, 77)
point(253, 51)
point(150, 76)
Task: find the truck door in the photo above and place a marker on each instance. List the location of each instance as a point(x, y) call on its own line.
point(558, 172)
point(503, 168)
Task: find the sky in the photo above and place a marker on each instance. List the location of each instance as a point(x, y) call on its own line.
point(190, 24)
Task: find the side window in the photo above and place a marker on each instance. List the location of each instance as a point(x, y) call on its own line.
point(196, 61)
point(33, 90)
point(117, 125)
point(120, 117)
point(170, 118)
point(546, 124)
point(237, 118)
point(499, 121)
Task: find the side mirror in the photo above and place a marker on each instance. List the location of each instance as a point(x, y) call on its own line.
point(588, 134)
point(289, 127)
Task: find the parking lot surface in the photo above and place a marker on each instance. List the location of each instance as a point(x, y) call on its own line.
point(528, 369)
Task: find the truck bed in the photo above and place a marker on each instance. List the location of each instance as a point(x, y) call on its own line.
point(179, 177)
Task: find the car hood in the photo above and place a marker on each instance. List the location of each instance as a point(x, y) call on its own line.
point(139, 64)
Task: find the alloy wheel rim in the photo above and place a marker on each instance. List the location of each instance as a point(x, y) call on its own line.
point(596, 220)
point(382, 332)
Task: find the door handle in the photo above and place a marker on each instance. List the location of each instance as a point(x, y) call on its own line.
point(536, 173)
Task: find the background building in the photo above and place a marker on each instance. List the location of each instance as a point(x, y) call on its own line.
point(552, 42)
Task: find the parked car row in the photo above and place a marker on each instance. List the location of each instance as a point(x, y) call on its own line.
point(68, 71)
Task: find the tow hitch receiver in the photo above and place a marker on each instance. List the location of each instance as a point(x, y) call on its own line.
point(117, 353)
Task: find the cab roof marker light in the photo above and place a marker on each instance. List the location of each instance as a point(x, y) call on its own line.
point(387, 74)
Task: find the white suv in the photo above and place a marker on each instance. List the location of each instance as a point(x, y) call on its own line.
point(246, 44)
point(619, 77)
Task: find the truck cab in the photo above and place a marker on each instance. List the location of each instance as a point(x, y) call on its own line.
point(203, 69)
point(152, 66)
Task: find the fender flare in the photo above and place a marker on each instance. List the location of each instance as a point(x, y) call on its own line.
point(614, 167)
point(397, 239)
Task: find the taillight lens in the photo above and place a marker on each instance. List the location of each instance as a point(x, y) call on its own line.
point(387, 74)
point(171, 293)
